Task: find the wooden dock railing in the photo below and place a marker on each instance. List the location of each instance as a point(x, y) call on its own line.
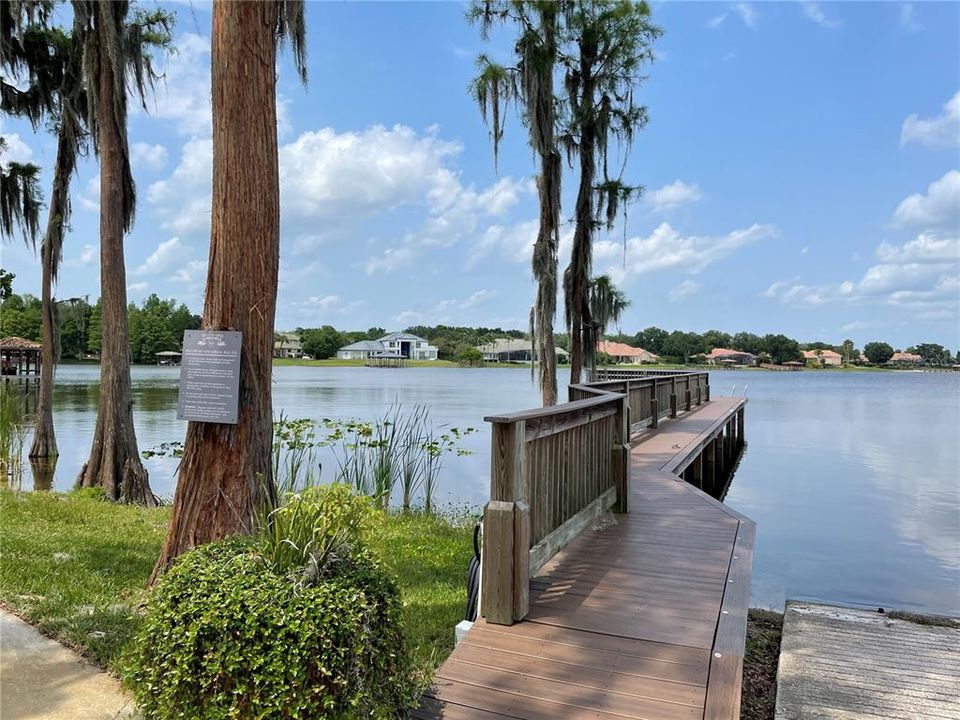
point(554, 470)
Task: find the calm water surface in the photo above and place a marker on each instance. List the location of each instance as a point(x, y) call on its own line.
point(852, 477)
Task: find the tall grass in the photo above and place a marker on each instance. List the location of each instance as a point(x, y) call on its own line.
point(397, 457)
point(311, 531)
point(13, 431)
point(403, 449)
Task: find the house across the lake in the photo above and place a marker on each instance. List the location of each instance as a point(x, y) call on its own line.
point(287, 345)
point(513, 350)
point(828, 358)
point(626, 354)
point(905, 358)
point(724, 356)
point(400, 344)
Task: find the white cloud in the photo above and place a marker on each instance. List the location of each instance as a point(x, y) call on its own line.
point(815, 13)
point(17, 150)
point(452, 217)
point(511, 243)
point(479, 297)
point(183, 96)
point(391, 259)
point(666, 248)
point(855, 325)
point(673, 195)
point(90, 195)
point(747, 14)
point(192, 273)
point(743, 10)
point(926, 247)
point(940, 131)
point(684, 290)
point(940, 207)
point(86, 257)
point(162, 259)
point(444, 311)
point(137, 287)
point(406, 318)
point(153, 156)
point(908, 18)
point(324, 173)
point(324, 302)
point(337, 180)
point(921, 275)
point(183, 200)
point(805, 249)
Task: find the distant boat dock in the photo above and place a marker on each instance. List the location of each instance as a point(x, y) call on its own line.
point(639, 614)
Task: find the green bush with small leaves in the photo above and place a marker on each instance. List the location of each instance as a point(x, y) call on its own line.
point(227, 636)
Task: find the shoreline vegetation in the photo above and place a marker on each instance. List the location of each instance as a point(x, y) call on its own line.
point(337, 362)
point(66, 573)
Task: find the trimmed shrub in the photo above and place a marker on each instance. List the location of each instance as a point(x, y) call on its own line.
point(226, 636)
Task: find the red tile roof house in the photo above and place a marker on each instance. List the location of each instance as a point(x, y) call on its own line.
point(904, 358)
point(829, 358)
point(725, 356)
point(627, 354)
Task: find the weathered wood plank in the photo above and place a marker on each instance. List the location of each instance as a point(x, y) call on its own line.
point(726, 662)
point(498, 523)
point(556, 540)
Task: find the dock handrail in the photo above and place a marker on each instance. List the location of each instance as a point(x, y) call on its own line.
point(554, 470)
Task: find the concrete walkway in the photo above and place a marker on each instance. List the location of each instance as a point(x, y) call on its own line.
point(858, 665)
point(40, 678)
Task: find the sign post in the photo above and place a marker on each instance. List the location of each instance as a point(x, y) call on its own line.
point(210, 376)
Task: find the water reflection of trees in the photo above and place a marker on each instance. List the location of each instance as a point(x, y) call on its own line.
point(147, 397)
point(43, 471)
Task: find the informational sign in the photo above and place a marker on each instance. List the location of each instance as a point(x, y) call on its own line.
point(210, 376)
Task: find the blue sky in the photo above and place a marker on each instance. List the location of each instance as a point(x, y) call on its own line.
point(801, 166)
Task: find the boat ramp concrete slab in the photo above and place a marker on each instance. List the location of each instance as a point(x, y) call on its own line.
point(837, 662)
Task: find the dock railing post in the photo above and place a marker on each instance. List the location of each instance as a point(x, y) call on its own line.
point(740, 427)
point(710, 466)
point(506, 523)
point(655, 410)
point(687, 398)
point(620, 456)
point(673, 397)
point(707, 389)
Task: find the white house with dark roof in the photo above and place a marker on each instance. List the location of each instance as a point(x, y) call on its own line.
point(402, 344)
point(513, 350)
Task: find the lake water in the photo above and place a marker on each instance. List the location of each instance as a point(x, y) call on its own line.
point(853, 478)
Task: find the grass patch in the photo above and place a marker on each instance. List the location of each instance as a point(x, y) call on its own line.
point(75, 567)
point(760, 660)
point(931, 620)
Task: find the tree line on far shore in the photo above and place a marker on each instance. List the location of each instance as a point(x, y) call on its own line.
point(154, 326)
point(673, 347)
point(157, 324)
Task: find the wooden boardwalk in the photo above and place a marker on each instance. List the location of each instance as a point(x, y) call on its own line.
point(642, 618)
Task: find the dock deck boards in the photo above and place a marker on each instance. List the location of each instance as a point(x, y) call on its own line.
point(642, 618)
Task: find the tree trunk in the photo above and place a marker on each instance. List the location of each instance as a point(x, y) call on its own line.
point(44, 436)
point(545, 269)
point(226, 468)
point(546, 247)
point(114, 463)
point(581, 259)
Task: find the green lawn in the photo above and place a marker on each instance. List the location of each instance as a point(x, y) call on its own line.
point(75, 567)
